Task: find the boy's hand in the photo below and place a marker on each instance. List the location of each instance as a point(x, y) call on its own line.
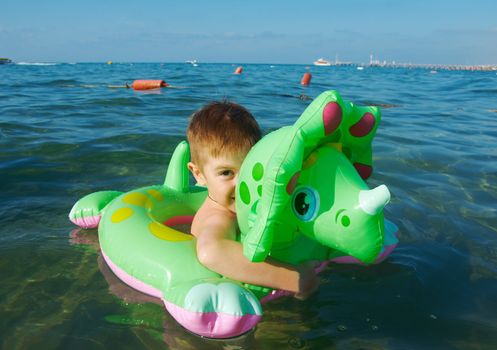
point(308, 281)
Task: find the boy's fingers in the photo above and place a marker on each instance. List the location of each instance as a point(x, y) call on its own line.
point(307, 294)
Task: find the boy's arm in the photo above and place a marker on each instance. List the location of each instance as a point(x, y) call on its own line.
point(217, 250)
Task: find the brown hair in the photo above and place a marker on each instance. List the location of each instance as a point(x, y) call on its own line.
point(221, 127)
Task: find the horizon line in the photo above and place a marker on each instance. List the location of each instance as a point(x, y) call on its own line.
point(332, 64)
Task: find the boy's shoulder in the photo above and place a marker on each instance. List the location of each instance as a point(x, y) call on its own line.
point(213, 221)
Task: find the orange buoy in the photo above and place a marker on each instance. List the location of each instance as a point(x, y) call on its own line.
point(306, 79)
point(148, 84)
point(238, 70)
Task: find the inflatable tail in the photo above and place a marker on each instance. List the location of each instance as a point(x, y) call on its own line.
point(86, 212)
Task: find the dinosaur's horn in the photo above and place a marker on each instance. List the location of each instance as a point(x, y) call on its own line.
point(373, 201)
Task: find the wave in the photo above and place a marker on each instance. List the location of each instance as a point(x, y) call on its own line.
point(485, 91)
point(61, 83)
point(118, 101)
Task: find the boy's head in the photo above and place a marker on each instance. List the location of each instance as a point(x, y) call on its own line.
point(221, 128)
point(220, 135)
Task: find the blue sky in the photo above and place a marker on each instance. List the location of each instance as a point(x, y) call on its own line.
point(421, 31)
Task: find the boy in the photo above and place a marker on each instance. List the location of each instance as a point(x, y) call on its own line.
point(220, 136)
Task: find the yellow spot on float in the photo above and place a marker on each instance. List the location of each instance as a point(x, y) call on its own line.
point(136, 198)
point(167, 233)
point(156, 195)
point(310, 161)
point(335, 145)
point(121, 214)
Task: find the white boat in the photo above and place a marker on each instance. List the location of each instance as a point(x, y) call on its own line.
point(322, 62)
point(192, 62)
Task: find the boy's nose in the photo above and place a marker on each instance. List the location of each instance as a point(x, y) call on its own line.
point(233, 183)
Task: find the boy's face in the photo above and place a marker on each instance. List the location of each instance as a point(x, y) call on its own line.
point(219, 175)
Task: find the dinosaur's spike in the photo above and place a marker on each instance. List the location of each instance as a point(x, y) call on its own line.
point(177, 171)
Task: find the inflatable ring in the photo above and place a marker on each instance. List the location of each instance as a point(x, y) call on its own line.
point(303, 200)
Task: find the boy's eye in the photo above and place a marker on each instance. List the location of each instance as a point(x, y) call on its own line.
point(226, 173)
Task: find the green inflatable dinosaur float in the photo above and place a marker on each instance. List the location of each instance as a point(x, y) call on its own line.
point(300, 196)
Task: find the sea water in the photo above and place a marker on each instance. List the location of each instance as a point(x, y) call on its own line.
point(67, 130)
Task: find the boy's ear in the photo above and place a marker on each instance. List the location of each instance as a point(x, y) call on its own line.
point(197, 173)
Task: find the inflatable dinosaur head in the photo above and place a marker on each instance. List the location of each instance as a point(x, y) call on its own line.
point(308, 178)
point(333, 205)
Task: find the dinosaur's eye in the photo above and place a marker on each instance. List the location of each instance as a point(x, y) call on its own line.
point(305, 203)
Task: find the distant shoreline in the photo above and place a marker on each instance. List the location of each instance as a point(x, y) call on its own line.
point(457, 67)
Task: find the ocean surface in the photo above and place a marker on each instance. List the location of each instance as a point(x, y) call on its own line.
point(67, 130)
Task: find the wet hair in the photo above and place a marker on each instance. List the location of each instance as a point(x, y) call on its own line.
point(221, 127)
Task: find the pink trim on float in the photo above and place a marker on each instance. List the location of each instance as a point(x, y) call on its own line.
point(87, 222)
point(275, 294)
point(130, 280)
point(213, 324)
point(385, 253)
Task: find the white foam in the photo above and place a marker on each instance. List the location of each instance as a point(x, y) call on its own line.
point(36, 64)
